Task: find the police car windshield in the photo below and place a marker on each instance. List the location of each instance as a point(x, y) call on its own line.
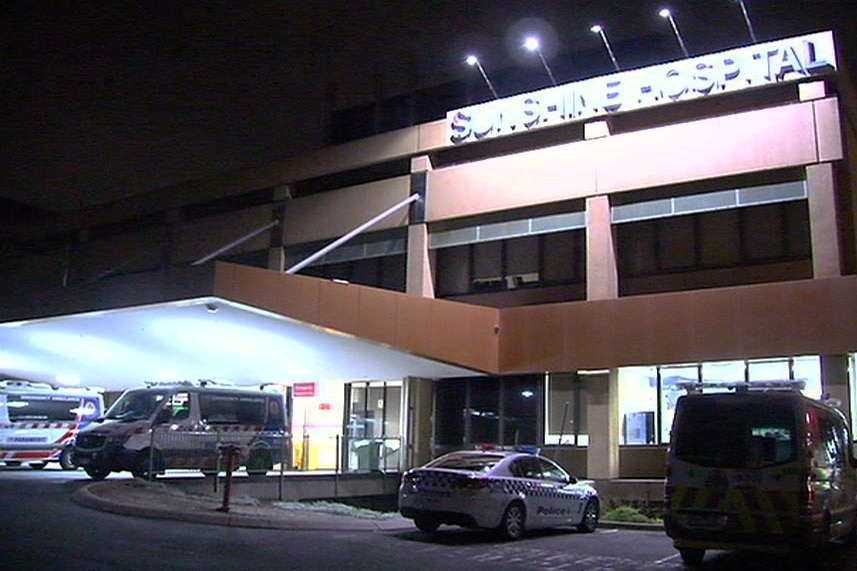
point(469, 462)
point(135, 405)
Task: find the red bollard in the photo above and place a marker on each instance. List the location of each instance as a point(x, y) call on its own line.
point(230, 451)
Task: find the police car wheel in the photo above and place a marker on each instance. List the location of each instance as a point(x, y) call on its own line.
point(426, 524)
point(67, 459)
point(692, 556)
point(590, 517)
point(512, 524)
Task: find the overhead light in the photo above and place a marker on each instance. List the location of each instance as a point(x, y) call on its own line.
point(473, 60)
point(665, 13)
point(597, 29)
point(532, 44)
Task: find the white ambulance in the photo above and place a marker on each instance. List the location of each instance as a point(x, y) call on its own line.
point(186, 425)
point(39, 422)
point(758, 466)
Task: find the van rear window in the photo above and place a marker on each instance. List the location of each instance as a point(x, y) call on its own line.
point(33, 408)
point(734, 434)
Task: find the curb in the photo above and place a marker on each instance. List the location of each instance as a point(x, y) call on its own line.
point(299, 521)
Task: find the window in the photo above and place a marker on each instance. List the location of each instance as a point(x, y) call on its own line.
point(502, 411)
point(638, 397)
point(499, 265)
point(648, 395)
point(566, 410)
point(42, 408)
point(757, 434)
point(232, 409)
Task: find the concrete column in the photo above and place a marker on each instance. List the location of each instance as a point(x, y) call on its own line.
point(834, 381)
point(602, 276)
point(420, 274)
point(823, 227)
point(419, 400)
point(603, 425)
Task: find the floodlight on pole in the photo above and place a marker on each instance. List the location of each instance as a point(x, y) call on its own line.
point(747, 21)
point(665, 13)
point(532, 44)
point(596, 29)
point(473, 60)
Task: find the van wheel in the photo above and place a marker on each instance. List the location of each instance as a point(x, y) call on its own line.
point(96, 473)
point(147, 467)
point(67, 459)
point(512, 524)
point(38, 465)
point(691, 556)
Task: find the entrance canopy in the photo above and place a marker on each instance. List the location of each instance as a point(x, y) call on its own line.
point(190, 324)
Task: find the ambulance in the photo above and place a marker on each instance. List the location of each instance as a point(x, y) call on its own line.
point(39, 422)
point(758, 466)
point(186, 425)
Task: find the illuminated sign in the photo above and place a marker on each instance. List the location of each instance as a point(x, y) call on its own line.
point(303, 390)
point(790, 59)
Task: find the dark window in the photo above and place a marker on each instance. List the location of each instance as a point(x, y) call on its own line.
point(36, 407)
point(758, 433)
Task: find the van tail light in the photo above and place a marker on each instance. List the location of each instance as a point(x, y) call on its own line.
point(808, 493)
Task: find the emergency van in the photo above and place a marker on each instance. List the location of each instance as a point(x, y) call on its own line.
point(758, 466)
point(39, 422)
point(186, 425)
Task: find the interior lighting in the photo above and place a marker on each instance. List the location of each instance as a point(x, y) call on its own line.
point(473, 60)
point(665, 13)
point(597, 29)
point(532, 44)
point(747, 21)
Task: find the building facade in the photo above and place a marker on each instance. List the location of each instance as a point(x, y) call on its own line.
point(583, 249)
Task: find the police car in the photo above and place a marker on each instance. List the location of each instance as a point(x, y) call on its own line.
point(508, 491)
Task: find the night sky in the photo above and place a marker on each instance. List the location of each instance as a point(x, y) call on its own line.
point(107, 99)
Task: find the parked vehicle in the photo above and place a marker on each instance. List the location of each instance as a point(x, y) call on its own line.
point(148, 430)
point(39, 422)
point(760, 467)
point(509, 491)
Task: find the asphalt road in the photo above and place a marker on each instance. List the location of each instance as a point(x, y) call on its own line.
point(42, 528)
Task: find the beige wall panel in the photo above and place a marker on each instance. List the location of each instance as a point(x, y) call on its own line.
point(413, 324)
point(335, 213)
point(298, 297)
point(541, 176)
point(803, 317)
point(828, 130)
point(744, 142)
point(255, 284)
point(377, 315)
point(338, 306)
point(432, 136)
point(371, 150)
point(197, 238)
point(465, 334)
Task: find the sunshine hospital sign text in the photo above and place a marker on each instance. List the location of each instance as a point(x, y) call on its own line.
point(778, 61)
